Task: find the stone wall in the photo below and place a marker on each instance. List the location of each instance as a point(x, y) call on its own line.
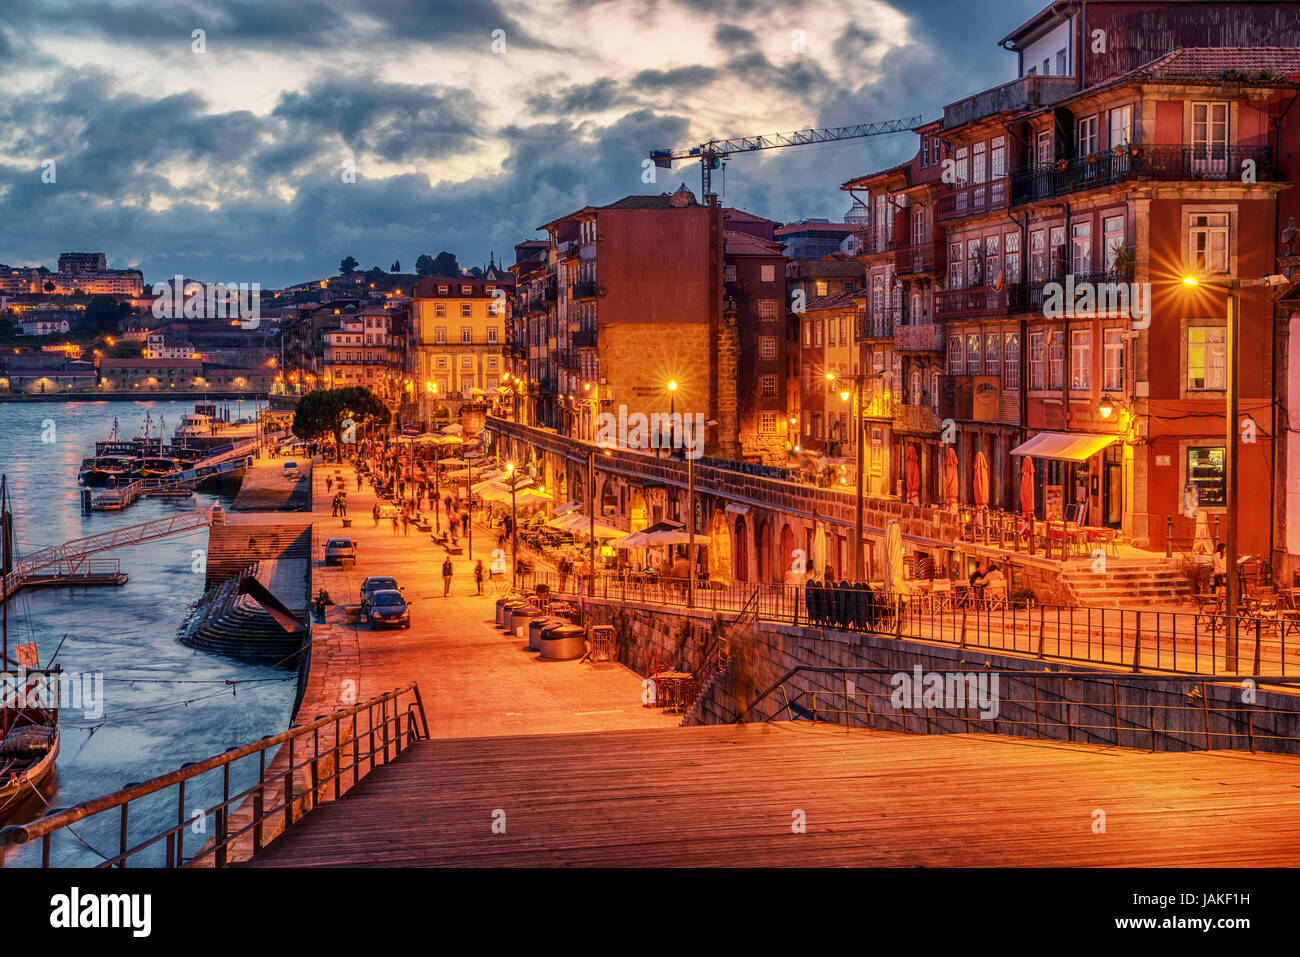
point(1082, 709)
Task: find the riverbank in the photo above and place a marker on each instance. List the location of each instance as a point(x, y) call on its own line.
point(133, 396)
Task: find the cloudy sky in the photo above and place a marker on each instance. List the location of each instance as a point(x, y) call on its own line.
point(468, 124)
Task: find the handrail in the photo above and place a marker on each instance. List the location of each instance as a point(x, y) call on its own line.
point(43, 828)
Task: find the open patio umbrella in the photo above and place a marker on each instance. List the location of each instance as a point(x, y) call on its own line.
point(452, 429)
point(567, 507)
point(981, 481)
point(913, 476)
point(1027, 486)
point(581, 526)
point(819, 552)
point(531, 496)
point(951, 479)
point(894, 559)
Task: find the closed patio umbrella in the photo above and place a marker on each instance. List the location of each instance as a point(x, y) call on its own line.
point(819, 552)
point(951, 479)
point(913, 476)
point(894, 559)
point(981, 481)
point(1027, 486)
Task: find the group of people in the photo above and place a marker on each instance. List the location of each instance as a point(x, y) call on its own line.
point(340, 504)
point(845, 604)
point(988, 581)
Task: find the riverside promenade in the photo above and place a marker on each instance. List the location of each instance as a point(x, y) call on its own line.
point(476, 681)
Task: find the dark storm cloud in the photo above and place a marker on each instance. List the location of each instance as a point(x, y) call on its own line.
point(394, 121)
point(731, 35)
point(580, 98)
point(233, 26)
point(266, 201)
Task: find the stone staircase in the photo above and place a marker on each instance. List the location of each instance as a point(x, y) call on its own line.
point(227, 623)
point(231, 548)
point(1128, 583)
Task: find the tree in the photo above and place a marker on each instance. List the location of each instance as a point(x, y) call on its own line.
point(424, 265)
point(49, 287)
point(102, 314)
point(444, 264)
point(322, 413)
point(348, 266)
point(397, 266)
point(475, 271)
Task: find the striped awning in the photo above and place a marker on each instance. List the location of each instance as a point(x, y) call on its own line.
point(1065, 446)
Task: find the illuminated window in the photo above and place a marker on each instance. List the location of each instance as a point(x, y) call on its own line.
point(1205, 471)
point(1206, 358)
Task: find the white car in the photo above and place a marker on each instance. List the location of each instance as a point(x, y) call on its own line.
point(291, 470)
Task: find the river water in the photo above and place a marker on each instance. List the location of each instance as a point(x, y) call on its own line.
point(163, 704)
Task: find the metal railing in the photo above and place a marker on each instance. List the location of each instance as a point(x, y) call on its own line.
point(1081, 707)
point(385, 738)
point(1192, 642)
point(1138, 162)
point(972, 200)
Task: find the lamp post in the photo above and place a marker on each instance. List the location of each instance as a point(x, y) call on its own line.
point(514, 527)
point(690, 524)
point(1232, 286)
point(672, 411)
point(591, 517)
point(856, 415)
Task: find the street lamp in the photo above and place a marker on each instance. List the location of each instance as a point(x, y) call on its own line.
point(1232, 285)
point(857, 379)
point(672, 410)
point(690, 524)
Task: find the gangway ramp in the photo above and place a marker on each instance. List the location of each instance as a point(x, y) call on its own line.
point(733, 795)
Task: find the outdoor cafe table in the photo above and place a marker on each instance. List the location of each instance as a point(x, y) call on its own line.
point(670, 690)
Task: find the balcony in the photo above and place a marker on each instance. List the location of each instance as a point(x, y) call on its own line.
point(551, 293)
point(584, 339)
point(927, 337)
point(875, 327)
point(1138, 163)
point(915, 418)
point(1019, 94)
point(868, 242)
point(1031, 296)
point(978, 302)
point(972, 200)
point(920, 259)
point(584, 290)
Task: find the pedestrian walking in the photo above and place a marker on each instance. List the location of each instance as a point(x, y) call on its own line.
point(329, 483)
point(394, 523)
point(478, 575)
point(335, 512)
point(358, 481)
point(406, 524)
point(375, 512)
point(446, 576)
point(564, 572)
point(343, 503)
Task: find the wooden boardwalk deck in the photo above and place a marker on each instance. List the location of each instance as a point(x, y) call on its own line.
point(727, 796)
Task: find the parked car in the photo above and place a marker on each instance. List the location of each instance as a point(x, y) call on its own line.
point(377, 583)
point(388, 607)
point(291, 470)
point(337, 550)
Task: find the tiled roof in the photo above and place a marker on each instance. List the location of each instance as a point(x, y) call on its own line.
point(640, 202)
point(1195, 63)
point(743, 244)
point(150, 363)
point(842, 300)
point(827, 267)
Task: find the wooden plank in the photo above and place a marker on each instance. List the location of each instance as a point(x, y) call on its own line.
point(727, 796)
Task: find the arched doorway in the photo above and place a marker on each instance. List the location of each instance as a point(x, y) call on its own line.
point(638, 516)
point(785, 557)
point(719, 547)
point(764, 544)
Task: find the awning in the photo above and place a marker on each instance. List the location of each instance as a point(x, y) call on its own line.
point(737, 509)
point(1067, 446)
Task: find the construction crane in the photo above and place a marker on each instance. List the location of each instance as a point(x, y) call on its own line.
point(713, 154)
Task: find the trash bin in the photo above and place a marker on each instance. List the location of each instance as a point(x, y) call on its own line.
point(507, 606)
point(520, 617)
point(563, 642)
point(537, 625)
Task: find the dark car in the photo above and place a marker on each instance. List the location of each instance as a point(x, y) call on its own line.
point(376, 583)
point(388, 608)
